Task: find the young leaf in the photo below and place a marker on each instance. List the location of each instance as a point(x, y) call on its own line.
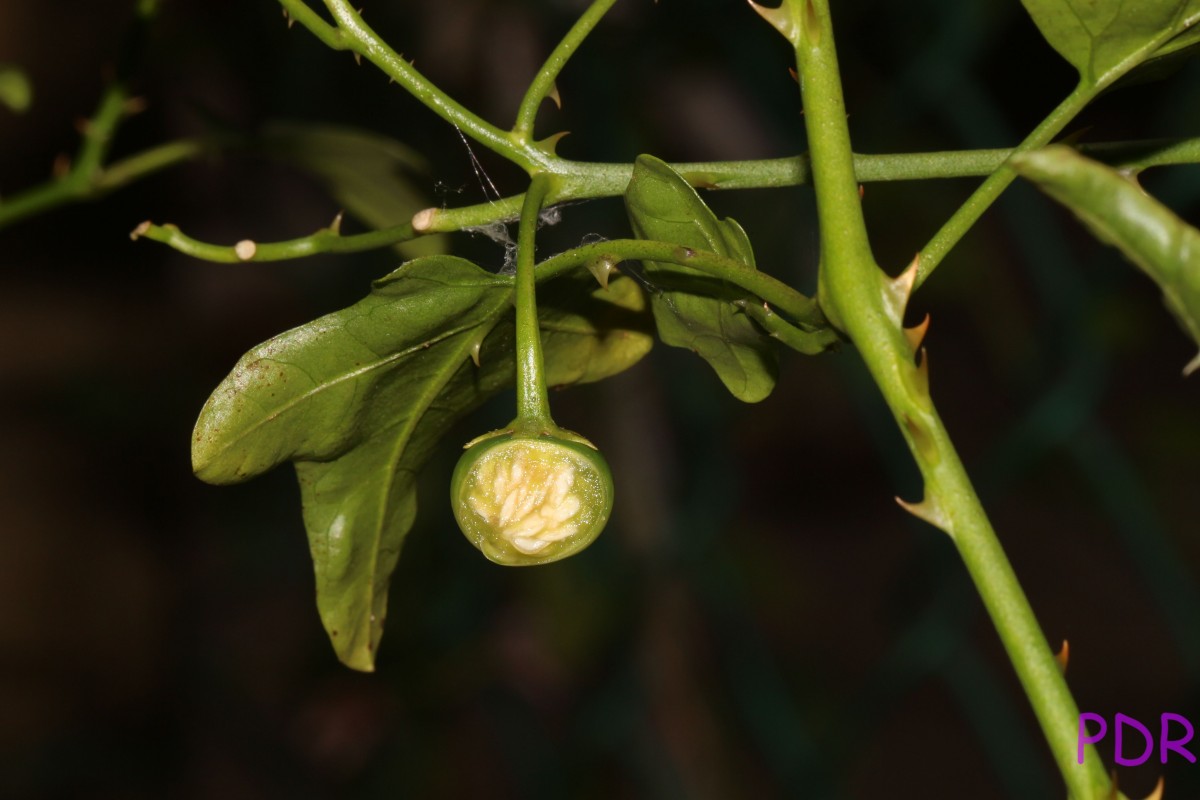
point(691, 309)
point(1118, 212)
point(359, 399)
point(1105, 39)
point(366, 174)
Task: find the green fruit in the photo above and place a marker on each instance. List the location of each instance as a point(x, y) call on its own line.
point(531, 499)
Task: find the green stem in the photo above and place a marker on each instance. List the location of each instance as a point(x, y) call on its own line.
point(588, 180)
point(869, 307)
point(533, 401)
point(982, 198)
point(353, 34)
point(792, 304)
point(544, 82)
point(326, 240)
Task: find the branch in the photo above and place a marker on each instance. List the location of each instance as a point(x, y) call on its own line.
point(543, 84)
point(610, 180)
point(356, 36)
point(798, 308)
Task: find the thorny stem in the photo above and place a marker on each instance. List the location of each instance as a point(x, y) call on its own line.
point(869, 308)
point(353, 34)
point(593, 180)
point(543, 83)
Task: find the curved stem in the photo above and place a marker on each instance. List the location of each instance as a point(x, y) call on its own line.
point(353, 34)
point(326, 240)
point(869, 307)
point(792, 304)
point(533, 401)
point(543, 83)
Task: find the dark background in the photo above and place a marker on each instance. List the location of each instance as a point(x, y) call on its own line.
point(760, 620)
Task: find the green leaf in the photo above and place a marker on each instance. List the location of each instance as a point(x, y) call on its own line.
point(1119, 212)
point(691, 309)
point(15, 89)
point(368, 175)
point(359, 399)
point(1105, 39)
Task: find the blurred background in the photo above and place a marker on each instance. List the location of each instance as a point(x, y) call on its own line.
point(759, 620)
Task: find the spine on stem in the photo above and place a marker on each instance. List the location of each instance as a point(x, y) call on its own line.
point(868, 306)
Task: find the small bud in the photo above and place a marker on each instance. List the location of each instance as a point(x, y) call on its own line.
point(139, 231)
point(423, 220)
point(245, 249)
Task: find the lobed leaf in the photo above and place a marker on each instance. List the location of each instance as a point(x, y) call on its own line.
point(1119, 212)
point(1105, 39)
point(691, 309)
point(359, 398)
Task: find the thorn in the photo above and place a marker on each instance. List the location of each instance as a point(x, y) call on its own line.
point(391, 80)
point(897, 290)
point(358, 59)
point(336, 225)
point(1073, 138)
point(602, 268)
point(555, 96)
point(245, 249)
point(422, 221)
point(1158, 790)
point(551, 142)
point(139, 231)
point(1192, 366)
point(475, 348)
point(780, 19)
point(795, 75)
point(134, 106)
point(62, 166)
point(83, 125)
point(862, 190)
point(1063, 656)
point(291, 21)
point(928, 511)
point(916, 334)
